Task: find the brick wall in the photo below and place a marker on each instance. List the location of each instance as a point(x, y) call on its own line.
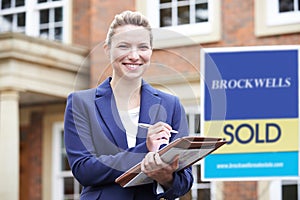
point(24, 163)
point(240, 190)
point(238, 27)
point(31, 159)
point(81, 22)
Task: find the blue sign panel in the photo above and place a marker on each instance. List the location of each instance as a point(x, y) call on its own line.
point(260, 111)
point(258, 84)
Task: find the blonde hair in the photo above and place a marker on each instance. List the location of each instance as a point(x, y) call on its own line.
point(128, 18)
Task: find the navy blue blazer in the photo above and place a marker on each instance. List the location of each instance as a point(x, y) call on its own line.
point(96, 143)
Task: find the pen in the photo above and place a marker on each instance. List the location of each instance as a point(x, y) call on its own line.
point(143, 125)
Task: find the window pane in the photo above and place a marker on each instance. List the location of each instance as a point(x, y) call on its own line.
point(20, 3)
point(72, 189)
point(8, 18)
point(5, 4)
point(58, 33)
point(58, 14)
point(64, 163)
point(44, 16)
point(204, 194)
point(197, 123)
point(165, 1)
point(44, 33)
point(201, 12)
point(286, 5)
point(165, 17)
point(42, 1)
point(188, 119)
point(289, 192)
point(298, 5)
point(21, 20)
point(6, 23)
point(69, 185)
point(62, 139)
point(183, 15)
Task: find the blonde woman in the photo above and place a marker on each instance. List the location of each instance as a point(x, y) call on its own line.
point(101, 134)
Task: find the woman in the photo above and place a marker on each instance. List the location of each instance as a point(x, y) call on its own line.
point(101, 134)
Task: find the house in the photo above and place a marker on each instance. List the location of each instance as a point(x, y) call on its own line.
point(49, 48)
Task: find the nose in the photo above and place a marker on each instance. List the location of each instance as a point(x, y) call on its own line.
point(133, 54)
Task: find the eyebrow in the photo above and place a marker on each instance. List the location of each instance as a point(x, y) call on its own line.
point(129, 43)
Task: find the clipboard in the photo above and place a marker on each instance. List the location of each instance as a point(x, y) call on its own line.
point(190, 150)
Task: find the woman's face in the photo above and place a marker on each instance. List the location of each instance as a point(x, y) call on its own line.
point(130, 52)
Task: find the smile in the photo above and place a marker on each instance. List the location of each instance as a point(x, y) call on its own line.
point(132, 66)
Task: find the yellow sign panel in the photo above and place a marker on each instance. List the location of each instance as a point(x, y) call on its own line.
point(271, 135)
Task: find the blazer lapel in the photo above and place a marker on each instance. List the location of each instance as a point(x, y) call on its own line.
point(107, 109)
point(150, 106)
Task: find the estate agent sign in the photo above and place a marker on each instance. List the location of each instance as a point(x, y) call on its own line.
point(250, 97)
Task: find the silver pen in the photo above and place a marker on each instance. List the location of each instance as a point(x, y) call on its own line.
point(143, 125)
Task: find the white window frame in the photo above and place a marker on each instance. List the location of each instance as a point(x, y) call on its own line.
point(188, 34)
point(186, 29)
point(268, 20)
point(57, 181)
point(274, 17)
point(57, 175)
point(191, 111)
point(12, 11)
point(292, 182)
point(275, 188)
point(32, 9)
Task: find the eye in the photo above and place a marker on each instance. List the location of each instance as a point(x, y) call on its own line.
point(144, 47)
point(123, 46)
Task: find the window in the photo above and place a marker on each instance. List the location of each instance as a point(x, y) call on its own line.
point(290, 190)
point(181, 12)
point(51, 23)
point(47, 19)
point(64, 185)
point(200, 189)
point(194, 123)
point(182, 22)
point(274, 17)
point(6, 4)
point(13, 17)
point(289, 6)
point(282, 12)
point(282, 189)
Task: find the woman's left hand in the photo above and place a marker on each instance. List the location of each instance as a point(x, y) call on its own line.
point(154, 167)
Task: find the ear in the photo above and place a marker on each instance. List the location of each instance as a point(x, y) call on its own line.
point(151, 51)
point(106, 49)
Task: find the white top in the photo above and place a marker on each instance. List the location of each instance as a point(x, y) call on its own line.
point(130, 121)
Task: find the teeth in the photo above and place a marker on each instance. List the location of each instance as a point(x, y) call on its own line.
point(132, 66)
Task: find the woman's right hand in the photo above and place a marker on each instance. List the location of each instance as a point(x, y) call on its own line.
point(157, 135)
